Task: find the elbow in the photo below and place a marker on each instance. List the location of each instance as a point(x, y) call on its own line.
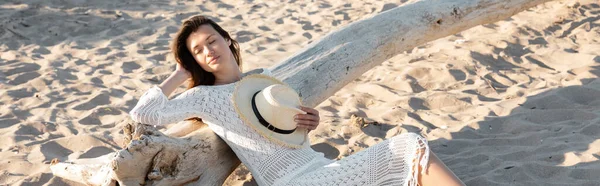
point(149, 118)
point(135, 115)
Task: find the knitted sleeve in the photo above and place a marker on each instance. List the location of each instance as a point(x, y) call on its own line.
point(154, 108)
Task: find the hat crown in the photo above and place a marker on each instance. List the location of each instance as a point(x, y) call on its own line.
point(278, 104)
point(270, 111)
point(282, 96)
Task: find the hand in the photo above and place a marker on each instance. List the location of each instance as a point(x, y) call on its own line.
point(177, 77)
point(310, 120)
point(182, 71)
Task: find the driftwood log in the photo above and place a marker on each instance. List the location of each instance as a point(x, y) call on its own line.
point(192, 154)
point(196, 156)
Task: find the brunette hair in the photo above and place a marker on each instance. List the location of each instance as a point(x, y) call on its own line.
point(184, 57)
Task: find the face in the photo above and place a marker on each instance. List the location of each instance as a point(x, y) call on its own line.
point(211, 50)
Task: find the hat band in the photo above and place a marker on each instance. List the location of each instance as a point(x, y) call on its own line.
point(264, 122)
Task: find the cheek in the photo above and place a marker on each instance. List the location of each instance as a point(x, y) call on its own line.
point(200, 61)
point(225, 50)
point(223, 46)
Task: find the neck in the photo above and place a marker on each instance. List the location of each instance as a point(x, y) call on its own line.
point(228, 78)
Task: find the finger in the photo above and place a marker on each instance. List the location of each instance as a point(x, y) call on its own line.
point(306, 122)
point(307, 126)
point(310, 127)
point(309, 110)
point(304, 126)
point(313, 112)
point(315, 118)
point(307, 117)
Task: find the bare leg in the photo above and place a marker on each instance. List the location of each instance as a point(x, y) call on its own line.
point(183, 128)
point(438, 174)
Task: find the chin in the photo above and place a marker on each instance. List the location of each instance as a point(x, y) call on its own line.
point(215, 66)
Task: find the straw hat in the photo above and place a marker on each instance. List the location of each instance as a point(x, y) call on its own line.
point(268, 106)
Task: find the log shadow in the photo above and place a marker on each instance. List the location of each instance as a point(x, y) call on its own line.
point(541, 139)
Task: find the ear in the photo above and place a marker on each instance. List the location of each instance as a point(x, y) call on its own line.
point(228, 42)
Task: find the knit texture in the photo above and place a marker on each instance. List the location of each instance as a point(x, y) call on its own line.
point(392, 162)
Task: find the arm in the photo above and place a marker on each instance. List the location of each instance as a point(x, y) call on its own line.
point(174, 80)
point(154, 108)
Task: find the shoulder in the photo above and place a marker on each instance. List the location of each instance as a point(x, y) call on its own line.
point(195, 92)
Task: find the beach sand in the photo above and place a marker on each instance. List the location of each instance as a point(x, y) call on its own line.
point(515, 102)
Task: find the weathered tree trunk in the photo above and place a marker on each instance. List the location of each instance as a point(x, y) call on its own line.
point(317, 72)
point(321, 69)
point(199, 157)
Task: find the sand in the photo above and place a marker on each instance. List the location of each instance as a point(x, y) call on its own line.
point(515, 102)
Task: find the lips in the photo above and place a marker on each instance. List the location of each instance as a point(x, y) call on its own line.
point(213, 60)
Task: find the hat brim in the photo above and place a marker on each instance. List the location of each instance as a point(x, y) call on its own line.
point(242, 101)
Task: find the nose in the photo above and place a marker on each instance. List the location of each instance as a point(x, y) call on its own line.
point(209, 51)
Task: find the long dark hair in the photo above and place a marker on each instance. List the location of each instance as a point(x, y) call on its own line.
point(184, 57)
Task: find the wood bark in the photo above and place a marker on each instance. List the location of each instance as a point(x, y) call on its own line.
point(199, 157)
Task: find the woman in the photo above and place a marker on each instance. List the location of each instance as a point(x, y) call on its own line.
point(208, 56)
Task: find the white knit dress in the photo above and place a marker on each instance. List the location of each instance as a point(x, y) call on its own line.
point(391, 162)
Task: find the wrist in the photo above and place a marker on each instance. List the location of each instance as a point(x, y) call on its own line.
point(181, 75)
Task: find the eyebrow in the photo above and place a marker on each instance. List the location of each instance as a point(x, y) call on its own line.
point(196, 47)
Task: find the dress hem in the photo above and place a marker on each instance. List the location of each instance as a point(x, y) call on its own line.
point(421, 160)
